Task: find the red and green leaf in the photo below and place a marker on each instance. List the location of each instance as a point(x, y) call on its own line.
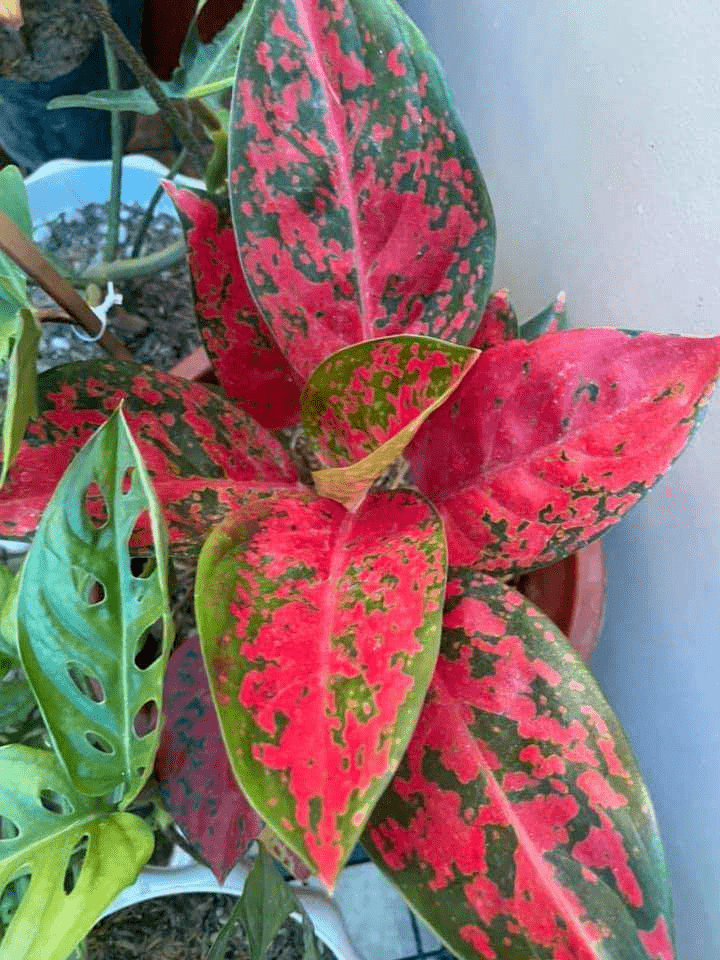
point(247, 361)
point(199, 448)
point(319, 631)
point(549, 320)
point(498, 323)
point(196, 781)
point(518, 824)
point(359, 208)
point(363, 405)
point(546, 444)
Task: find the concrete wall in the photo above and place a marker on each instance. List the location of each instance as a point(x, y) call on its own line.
point(597, 127)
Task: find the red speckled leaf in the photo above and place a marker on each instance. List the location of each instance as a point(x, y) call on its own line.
point(358, 205)
point(364, 404)
point(320, 631)
point(285, 857)
point(198, 447)
point(196, 780)
point(499, 322)
point(518, 825)
point(549, 320)
point(546, 444)
point(247, 361)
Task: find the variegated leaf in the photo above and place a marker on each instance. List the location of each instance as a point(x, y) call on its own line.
point(363, 405)
point(358, 205)
point(247, 361)
point(546, 444)
point(319, 631)
point(549, 320)
point(196, 781)
point(499, 322)
point(198, 447)
point(518, 824)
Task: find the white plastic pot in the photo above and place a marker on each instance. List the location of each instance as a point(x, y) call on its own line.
point(189, 877)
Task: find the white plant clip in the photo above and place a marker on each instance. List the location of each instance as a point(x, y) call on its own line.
point(101, 312)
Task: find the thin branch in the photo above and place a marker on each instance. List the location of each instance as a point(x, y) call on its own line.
point(123, 48)
point(116, 139)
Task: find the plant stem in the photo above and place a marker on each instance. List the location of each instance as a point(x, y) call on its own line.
point(111, 242)
point(123, 48)
point(25, 254)
point(127, 269)
point(154, 200)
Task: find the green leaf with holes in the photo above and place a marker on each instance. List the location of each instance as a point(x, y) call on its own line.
point(94, 628)
point(44, 821)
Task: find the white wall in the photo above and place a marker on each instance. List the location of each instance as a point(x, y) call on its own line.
point(597, 127)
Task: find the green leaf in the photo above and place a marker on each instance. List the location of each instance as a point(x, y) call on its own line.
point(135, 101)
point(48, 819)
point(549, 320)
point(319, 632)
point(16, 703)
point(518, 824)
point(86, 616)
point(263, 907)
point(22, 399)
point(204, 68)
point(364, 404)
point(14, 204)
point(8, 614)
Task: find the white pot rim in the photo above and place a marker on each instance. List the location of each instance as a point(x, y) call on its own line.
point(195, 878)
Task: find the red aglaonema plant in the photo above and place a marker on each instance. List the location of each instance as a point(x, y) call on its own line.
point(365, 669)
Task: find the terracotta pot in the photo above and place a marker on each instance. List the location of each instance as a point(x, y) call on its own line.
point(572, 593)
point(196, 366)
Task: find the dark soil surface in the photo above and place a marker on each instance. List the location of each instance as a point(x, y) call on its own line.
point(56, 37)
point(162, 302)
point(183, 927)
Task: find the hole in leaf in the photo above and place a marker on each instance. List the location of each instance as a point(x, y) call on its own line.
point(75, 864)
point(141, 771)
point(11, 896)
point(95, 592)
point(55, 802)
point(126, 482)
point(141, 541)
point(150, 646)
point(88, 685)
point(95, 506)
point(142, 567)
point(146, 719)
point(98, 743)
point(8, 830)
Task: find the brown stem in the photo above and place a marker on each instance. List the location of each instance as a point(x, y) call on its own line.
point(25, 254)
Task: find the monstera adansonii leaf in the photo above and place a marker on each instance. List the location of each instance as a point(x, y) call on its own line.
point(94, 628)
point(358, 206)
point(518, 825)
point(319, 630)
point(77, 852)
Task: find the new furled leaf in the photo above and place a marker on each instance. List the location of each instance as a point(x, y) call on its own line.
point(363, 405)
point(94, 632)
point(498, 323)
point(546, 444)
point(319, 631)
point(549, 320)
point(358, 205)
point(247, 361)
point(51, 821)
point(518, 824)
point(21, 402)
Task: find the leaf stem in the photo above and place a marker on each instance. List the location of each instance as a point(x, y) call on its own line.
point(116, 137)
point(138, 267)
point(154, 200)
